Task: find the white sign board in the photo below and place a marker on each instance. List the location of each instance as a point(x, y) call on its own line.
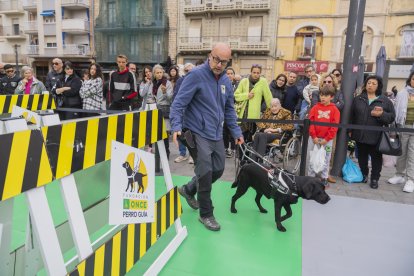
point(399, 71)
point(29, 116)
point(132, 185)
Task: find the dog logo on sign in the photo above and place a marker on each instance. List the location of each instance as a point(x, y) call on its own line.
point(136, 173)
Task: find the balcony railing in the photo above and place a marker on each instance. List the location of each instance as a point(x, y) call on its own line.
point(192, 7)
point(301, 54)
point(75, 3)
point(31, 27)
point(12, 32)
point(405, 52)
point(76, 50)
point(146, 22)
point(245, 44)
point(10, 6)
point(75, 25)
point(29, 5)
point(33, 50)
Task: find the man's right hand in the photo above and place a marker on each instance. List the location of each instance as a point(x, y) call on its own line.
point(175, 136)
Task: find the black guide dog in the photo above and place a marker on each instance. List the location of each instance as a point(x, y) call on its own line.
point(252, 175)
point(133, 177)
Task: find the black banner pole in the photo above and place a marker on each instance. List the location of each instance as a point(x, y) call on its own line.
point(349, 79)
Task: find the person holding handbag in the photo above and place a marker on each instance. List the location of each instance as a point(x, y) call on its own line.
point(371, 108)
point(404, 108)
point(248, 97)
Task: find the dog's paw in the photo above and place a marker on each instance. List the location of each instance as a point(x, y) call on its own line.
point(264, 211)
point(233, 210)
point(281, 228)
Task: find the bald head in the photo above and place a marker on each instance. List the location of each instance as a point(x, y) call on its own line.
point(219, 57)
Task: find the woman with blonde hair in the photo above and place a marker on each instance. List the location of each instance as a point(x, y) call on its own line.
point(29, 84)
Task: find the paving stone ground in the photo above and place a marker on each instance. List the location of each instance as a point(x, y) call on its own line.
point(385, 192)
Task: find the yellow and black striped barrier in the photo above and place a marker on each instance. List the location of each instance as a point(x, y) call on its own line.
point(118, 255)
point(79, 145)
point(24, 164)
point(31, 102)
point(70, 147)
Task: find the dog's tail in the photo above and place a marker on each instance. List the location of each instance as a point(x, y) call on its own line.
point(236, 181)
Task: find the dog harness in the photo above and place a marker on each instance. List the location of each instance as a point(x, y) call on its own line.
point(275, 182)
point(279, 183)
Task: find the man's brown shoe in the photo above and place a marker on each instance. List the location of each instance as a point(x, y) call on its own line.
point(190, 199)
point(210, 223)
point(331, 179)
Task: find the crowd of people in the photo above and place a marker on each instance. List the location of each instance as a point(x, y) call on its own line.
point(211, 116)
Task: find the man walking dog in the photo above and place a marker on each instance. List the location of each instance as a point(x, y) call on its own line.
point(204, 103)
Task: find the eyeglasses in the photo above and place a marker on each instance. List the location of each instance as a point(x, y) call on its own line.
point(218, 60)
point(10, 71)
point(256, 66)
point(55, 63)
point(337, 75)
point(308, 71)
point(327, 82)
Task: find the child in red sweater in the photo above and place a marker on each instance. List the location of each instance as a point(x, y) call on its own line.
point(326, 112)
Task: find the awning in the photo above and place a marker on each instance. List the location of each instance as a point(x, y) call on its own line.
point(48, 13)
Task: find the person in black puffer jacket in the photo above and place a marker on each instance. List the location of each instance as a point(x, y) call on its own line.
point(69, 90)
point(278, 89)
point(371, 108)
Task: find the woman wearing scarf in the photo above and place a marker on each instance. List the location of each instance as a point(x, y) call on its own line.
point(404, 117)
point(248, 97)
point(160, 92)
point(29, 84)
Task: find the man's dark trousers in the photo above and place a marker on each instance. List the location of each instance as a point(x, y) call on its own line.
point(209, 162)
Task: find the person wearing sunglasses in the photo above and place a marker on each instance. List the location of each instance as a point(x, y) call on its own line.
point(55, 75)
point(9, 82)
point(204, 102)
point(338, 75)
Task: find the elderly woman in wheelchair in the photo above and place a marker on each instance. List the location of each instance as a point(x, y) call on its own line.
point(274, 133)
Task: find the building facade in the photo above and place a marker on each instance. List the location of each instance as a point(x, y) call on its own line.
point(249, 26)
point(12, 32)
point(317, 34)
point(136, 28)
point(57, 29)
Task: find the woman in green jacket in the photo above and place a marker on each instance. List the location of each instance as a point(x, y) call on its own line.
point(248, 96)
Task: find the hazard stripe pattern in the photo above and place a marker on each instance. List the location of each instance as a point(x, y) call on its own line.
point(118, 255)
point(24, 164)
point(27, 161)
point(75, 146)
point(31, 102)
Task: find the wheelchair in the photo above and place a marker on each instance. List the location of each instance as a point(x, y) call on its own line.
point(286, 153)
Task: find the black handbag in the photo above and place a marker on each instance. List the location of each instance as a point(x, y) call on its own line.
point(390, 143)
